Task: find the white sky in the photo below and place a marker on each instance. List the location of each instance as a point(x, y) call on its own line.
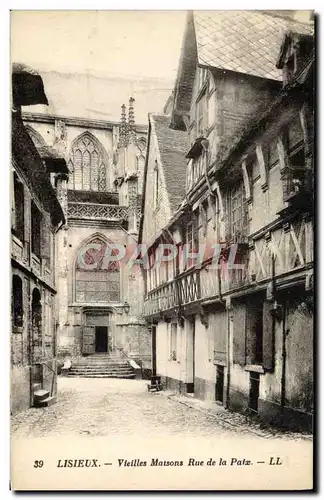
point(143, 43)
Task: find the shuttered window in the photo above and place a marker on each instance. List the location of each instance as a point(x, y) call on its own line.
point(254, 330)
point(46, 238)
point(239, 327)
point(220, 337)
point(268, 337)
point(253, 333)
point(36, 223)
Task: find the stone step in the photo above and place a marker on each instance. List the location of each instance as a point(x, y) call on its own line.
point(113, 368)
point(102, 371)
point(100, 375)
point(45, 402)
point(108, 362)
point(94, 367)
point(40, 395)
point(102, 367)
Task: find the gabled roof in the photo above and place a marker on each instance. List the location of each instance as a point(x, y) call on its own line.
point(246, 42)
point(243, 41)
point(306, 41)
point(172, 146)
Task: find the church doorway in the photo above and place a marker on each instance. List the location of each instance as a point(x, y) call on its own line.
point(101, 337)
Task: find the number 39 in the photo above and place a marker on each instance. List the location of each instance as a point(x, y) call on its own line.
point(38, 463)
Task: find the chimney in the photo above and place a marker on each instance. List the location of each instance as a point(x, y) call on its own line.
point(131, 114)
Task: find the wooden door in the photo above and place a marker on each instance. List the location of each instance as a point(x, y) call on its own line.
point(89, 339)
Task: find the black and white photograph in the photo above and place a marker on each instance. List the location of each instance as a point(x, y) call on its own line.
point(162, 185)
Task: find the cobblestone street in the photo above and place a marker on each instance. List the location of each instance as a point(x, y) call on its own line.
point(114, 407)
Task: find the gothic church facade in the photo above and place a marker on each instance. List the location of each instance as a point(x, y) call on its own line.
point(99, 307)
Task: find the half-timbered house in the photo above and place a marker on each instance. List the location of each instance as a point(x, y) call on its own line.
point(233, 324)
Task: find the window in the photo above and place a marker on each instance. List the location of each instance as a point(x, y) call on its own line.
point(272, 153)
point(36, 222)
point(203, 211)
point(202, 75)
point(198, 167)
point(173, 342)
point(152, 269)
point(201, 114)
point(295, 176)
point(18, 216)
point(96, 278)
point(88, 165)
point(289, 69)
point(253, 168)
point(238, 214)
point(192, 239)
point(17, 302)
point(140, 164)
point(190, 173)
point(254, 331)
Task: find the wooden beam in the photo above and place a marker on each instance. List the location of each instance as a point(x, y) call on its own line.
point(263, 167)
point(247, 182)
point(283, 155)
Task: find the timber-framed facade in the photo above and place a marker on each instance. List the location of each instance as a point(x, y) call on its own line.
point(238, 336)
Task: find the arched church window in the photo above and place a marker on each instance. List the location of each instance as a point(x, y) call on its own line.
point(87, 165)
point(140, 163)
point(97, 277)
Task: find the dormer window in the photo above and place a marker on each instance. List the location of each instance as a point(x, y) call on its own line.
point(202, 75)
point(294, 51)
point(289, 69)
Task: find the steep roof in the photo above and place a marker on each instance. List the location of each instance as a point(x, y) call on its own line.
point(257, 123)
point(243, 41)
point(173, 146)
point(246, 42)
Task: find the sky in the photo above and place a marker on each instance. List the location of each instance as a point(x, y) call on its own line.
point(122, 43)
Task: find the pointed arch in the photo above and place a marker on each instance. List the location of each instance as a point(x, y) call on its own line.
point(96, 280)
point(35, 137)
point(88, 163)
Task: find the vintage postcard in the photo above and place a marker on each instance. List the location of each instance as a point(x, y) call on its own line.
point(162, 205)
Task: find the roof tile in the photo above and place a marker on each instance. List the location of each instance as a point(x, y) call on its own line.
point(173, 148)
point(244, 41)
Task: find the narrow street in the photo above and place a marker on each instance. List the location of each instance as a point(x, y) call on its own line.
point(115, 407)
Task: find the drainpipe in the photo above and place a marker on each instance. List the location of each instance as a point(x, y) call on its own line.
point(228, 364)
point(284, 334)
point(284, 356)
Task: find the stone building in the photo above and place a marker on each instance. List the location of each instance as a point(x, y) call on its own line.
point(99, 305)
point(36, 221)
point(231, 310)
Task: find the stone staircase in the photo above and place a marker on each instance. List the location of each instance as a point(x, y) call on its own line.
point(41, 397)
point(111, 365)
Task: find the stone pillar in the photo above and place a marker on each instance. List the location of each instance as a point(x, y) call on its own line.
point(61, 270)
